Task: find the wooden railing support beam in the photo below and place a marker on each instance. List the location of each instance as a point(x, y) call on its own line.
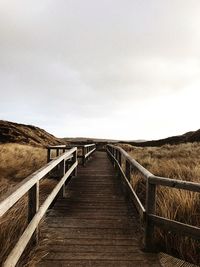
point(150, 209)
point(33, 206)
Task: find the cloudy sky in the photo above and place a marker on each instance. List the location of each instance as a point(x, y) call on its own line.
point(124, 69)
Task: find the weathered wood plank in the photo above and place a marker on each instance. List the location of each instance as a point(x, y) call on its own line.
point(136, 255)
point(96, 263)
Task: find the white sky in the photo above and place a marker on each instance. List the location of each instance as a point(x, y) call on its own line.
point(111, 69)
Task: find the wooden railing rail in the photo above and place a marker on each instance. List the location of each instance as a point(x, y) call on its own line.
point(30, 185)
point(84, 151)
point(147, 213)
point(87, 151)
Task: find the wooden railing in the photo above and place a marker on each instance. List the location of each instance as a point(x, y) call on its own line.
point(84, 151)
point(147, 213)
point(66, 165)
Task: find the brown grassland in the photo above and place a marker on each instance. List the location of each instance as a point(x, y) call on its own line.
point(178, 162)
point(16, 163)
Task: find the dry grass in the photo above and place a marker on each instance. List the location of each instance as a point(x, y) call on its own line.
point(180, 162)
point(16, 163)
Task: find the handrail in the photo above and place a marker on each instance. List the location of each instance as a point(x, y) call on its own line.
point(35, 213)
point(86, 151)
point(148, 213)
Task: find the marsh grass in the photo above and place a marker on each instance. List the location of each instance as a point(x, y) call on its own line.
point(179, 162)
point(16, 163)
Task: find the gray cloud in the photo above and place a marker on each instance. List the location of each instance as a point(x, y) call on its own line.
point(81, 63)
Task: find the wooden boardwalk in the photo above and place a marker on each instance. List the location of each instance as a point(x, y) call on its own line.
point(94, 225)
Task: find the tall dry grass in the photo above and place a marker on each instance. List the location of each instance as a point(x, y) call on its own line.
point(16, 163)
point(179, 162)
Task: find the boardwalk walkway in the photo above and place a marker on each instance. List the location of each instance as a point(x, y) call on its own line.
point(94, 225)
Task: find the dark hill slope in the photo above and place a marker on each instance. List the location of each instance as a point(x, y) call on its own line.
point(188, 137)
point(11, 132)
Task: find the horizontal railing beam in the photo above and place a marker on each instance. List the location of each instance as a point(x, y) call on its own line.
point(90, 152)
point(133, 162)
point(9, 199)
point(88, 145)
point(181, 228)
point(178, 184)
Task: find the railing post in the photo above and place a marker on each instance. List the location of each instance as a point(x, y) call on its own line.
point(117, 155)
point(114, 155)
point(120, 158)
point(74, 159)
point(128, 170)
point(83, 155)
point(33, 206)
point(62, 173)
point(150, 209)
point(48, 154)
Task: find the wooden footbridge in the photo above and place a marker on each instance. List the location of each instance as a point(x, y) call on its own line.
point(92, 213)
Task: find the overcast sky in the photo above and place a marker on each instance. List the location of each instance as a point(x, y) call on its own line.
point(124, 69)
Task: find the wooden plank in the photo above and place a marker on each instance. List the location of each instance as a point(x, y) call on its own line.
point(94, 241)
point(91, 223)
point(96, 263)
point(99, 256)
point(95, 248)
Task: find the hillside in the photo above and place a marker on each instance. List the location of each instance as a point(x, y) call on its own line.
point(11, 132)
point(189, 137)
point(88, 140)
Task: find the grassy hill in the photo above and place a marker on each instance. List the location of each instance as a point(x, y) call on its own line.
point(189, 137)
point(11, 132)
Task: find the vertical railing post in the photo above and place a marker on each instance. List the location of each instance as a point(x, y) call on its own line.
point(120, 158)
point(74, 159)
point(33, 206)
point(128, 170)
point(62, 173)
point(48, 154)
point(83, 155)
point(150, 209)
point(116, 154)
